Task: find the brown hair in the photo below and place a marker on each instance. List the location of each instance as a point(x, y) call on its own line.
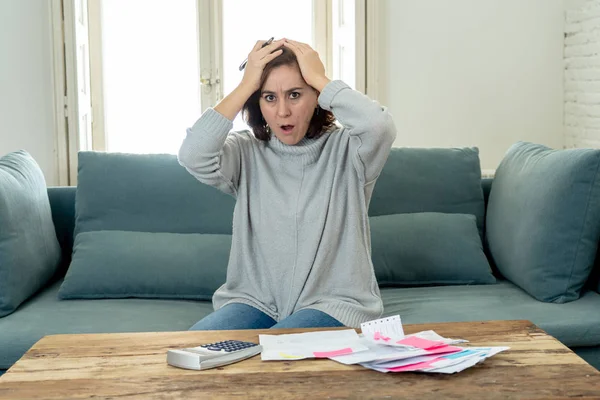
point(319, 123)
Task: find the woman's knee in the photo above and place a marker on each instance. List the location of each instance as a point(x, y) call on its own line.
point(234, 316)
point(308, 318)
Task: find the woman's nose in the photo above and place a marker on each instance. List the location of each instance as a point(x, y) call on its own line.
point(283, 109)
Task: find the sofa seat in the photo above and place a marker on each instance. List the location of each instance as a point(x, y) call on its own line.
point(575, 324)
point(45, 314)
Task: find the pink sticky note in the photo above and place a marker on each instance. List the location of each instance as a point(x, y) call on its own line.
point(420, 343)
point(443, 350)
point(379, 336)
point(327, 354)
point(414, 367)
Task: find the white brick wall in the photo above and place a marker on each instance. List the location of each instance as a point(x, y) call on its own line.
point(582, 75)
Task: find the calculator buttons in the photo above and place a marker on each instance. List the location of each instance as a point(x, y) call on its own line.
point(228, 346)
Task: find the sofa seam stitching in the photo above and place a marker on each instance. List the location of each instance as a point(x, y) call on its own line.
point(585, 215)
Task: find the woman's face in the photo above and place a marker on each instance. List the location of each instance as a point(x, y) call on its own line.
point(287, 103)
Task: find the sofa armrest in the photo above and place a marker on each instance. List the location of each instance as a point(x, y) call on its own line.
point(62, 204)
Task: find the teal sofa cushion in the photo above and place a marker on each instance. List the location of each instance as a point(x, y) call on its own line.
point(62, 203)
point(29, 249)
point(444, 180)
point(543, 219)
point(117, 264)
point(428, 249)
point(45, 314)
point(146, 193)
point(576, 323)
point(144, 227)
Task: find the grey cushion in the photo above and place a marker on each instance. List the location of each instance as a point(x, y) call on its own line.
point(446, 180)
point(543, 219)
point(146, 193)
point(428, 248)
point(575, 324)
point(45, 314)
point(29, 249)
point(117, 264)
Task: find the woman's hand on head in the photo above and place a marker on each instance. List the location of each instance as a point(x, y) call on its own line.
point(257, 59)
point(311, 67)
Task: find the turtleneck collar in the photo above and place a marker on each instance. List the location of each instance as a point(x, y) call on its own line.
point(306, 150)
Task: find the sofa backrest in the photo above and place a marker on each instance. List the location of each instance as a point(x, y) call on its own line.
point(441, 180)
point(63, 199)
point(146, 193)
point(62, 203)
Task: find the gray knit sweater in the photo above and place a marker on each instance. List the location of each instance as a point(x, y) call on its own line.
point(301, 235)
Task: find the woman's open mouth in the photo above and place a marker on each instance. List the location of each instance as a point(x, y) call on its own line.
point(287, 129)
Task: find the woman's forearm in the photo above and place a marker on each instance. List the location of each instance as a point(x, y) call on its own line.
point(232, 104)
point(368, 123)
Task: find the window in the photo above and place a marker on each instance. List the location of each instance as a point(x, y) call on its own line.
point(150, 74)
point(157, 64)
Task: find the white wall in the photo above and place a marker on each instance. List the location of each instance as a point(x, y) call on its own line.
point(26, 93)
point(582, 74)
point(475, 73)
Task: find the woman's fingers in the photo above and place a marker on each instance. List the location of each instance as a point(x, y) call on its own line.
point(302, 46)
point(257, 59)
point(257, 45)
point(295, 42)
point(297, 51)
point(265, 51)
point(272, 55)
point(311, 66)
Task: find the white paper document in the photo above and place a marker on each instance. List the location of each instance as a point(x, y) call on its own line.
point(297, 346)
point(382, 346)
point(378, 352)
point(440, 363)
point(383, 330)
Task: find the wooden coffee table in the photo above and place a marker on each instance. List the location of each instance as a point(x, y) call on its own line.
point(133, 365)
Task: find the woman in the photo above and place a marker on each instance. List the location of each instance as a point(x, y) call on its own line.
point(300, 254)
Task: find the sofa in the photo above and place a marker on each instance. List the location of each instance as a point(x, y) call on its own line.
point(143, 245)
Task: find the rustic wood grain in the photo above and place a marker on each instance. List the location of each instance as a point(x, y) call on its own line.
point(133, 365)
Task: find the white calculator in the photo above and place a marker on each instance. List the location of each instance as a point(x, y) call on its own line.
point(212, 355)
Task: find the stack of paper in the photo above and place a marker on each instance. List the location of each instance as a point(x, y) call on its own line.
point(298, 346)
point(446, 363)
point(418, 353)
point(382, 347)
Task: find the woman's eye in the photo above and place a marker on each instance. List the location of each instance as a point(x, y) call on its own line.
point(294, 95)
point(269, 97)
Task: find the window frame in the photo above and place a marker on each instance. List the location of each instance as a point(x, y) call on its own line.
point(209, 38)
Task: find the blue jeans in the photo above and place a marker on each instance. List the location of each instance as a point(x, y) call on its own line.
point(242, 316)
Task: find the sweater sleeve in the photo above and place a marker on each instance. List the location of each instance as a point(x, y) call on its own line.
point(369, 125)
point(211, 154)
